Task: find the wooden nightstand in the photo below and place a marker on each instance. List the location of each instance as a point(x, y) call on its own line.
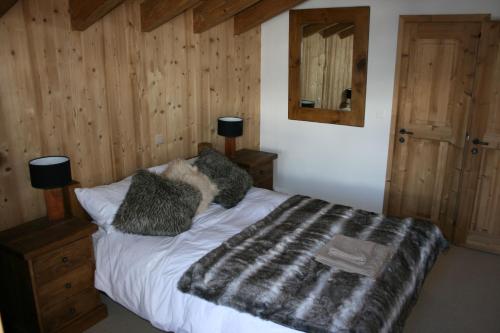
point(47, 280)
point(259, 165)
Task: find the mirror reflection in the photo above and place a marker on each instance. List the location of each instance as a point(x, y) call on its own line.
point(326, 66)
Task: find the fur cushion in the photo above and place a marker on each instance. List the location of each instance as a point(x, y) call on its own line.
point(232, 181)
point(157, 206)
point(182, 170)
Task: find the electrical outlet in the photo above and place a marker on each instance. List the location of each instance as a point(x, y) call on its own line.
point(159, 139)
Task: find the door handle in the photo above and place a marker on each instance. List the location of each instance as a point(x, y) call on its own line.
point(476, 141)
point(404, 131)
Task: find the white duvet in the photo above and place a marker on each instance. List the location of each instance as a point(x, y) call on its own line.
point(141, 272)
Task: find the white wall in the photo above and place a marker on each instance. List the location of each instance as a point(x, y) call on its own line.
point(340, 163)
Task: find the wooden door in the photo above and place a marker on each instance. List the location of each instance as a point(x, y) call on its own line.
point(478, 221)
point(436, 65)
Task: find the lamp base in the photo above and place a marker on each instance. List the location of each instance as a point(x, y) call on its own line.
point(230, 147)
point(54, 201)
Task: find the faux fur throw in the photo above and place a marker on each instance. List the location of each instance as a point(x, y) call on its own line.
point(157, 206)
point(182, 170)
point(268, 270)
point(232, 181)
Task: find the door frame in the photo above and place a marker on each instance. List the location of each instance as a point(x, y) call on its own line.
point(404, 19)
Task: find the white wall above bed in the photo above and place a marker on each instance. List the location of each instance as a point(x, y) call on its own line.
point(340, 163)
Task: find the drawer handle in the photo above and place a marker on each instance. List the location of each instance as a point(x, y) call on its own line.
point(64, 259)
point(72, 310)
point(67, 285)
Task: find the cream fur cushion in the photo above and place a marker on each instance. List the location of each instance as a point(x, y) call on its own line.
point(182, 170)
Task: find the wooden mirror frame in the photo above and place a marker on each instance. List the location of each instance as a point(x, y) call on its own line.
point(360, 16)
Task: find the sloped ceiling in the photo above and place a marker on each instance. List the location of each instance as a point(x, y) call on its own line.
point(206, 13)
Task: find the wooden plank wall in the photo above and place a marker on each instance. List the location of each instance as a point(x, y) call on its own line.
point(103, 95)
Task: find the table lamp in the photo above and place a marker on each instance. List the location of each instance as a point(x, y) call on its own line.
point(51, 173)
point(230, 127)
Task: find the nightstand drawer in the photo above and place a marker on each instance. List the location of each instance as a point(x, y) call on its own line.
point(266, 183)
point(66, 285)
point(62, 313)
point(261, 172)
point(56, 263)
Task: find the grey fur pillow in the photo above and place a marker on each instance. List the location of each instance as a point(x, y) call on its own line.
point(157, 206)
point(232, 181)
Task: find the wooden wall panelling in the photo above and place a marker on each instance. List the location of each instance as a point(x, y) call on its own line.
point(194, 91)
point(203, 43)
point(158, 95)
point(235, 59)
point(123, 78)
point(72, 91)
point(217, 101)
point(19, 133)
point(179, 136)
point(70, 107)
point(249, 79)
point(102, 95)
point(50, 90)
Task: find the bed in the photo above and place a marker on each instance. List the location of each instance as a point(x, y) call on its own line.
point(142, 273)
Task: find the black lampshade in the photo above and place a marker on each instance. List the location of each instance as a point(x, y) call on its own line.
point(230, 127)
point(50, 172)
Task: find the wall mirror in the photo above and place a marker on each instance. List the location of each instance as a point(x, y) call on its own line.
point(328, 65)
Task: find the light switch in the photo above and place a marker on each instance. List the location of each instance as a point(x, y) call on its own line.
point(159, 139)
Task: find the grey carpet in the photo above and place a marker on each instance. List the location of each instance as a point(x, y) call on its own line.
point(460, 295)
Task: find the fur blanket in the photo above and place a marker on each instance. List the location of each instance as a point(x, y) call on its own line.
point(269, 270)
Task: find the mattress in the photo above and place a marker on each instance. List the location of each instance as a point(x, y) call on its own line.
point(142, 272)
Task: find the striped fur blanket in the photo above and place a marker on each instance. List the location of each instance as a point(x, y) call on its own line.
point(269, 270)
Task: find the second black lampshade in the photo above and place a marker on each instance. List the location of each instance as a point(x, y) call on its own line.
point(230, 127)
point(50, 172)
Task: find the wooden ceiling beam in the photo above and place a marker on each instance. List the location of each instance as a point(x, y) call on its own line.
point(212, 12)
point(157, 12)
point(347, 32)
point(335, 29)
point(261, 12)
point(84, 13)
point(5, 6)
point(311, 29)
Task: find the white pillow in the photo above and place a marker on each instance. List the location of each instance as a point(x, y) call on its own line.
point(102, 202)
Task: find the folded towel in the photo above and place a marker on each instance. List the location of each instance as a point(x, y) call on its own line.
point(354, 255)
point(344, 248)
point(355, 258)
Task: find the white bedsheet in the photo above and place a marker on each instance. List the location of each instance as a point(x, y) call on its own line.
point(141, 272)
